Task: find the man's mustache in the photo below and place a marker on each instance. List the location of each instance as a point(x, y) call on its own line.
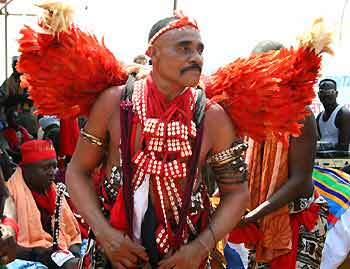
point(191, 67)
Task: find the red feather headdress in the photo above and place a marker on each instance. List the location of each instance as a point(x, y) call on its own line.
point(268, 93)
point(64, 68)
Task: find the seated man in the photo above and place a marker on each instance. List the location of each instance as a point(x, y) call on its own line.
point(34, 194)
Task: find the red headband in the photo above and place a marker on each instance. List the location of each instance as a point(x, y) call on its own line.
point(181, 22)
point(37, 150)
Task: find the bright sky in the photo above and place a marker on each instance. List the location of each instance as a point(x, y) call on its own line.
point(229, 29)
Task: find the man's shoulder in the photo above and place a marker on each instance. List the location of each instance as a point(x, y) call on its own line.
point(110, 95)
point(319, 115)
point(344, 112)
point(215, 111)
point(15, 180)
point(218, 121)
point(108, 100)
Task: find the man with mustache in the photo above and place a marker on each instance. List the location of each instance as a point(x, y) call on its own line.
point(34, 194)
point(158, 207)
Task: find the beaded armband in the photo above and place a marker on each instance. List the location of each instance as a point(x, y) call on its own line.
point(229, 166)
point(92, 139)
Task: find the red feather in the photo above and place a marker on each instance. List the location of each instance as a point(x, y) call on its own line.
point(267, 93)
point(65, 73)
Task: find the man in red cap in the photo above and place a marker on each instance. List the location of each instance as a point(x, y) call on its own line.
point(34, 194)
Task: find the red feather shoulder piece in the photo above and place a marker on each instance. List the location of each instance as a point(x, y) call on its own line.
point(64, 68)
point(267, 93)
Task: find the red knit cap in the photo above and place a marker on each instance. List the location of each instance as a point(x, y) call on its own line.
point(37, 150)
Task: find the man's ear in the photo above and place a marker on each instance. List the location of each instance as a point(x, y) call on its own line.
point(154, 52)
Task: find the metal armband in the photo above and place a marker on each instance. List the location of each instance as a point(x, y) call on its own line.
point(229, 166)
point(92, 139)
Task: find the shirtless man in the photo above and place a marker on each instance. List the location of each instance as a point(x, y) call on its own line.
point(168, 96)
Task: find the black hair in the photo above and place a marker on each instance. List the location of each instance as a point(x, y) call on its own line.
point(327, 81)
point(267, 45)
point(159, 25)
point(140, 57)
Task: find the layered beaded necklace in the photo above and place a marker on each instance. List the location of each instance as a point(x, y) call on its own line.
point(166, 137)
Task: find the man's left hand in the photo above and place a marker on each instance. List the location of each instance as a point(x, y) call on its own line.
point(188, 256)
point(250, 217)
point(7, 244)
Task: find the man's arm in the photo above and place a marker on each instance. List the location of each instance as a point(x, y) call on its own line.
point(343, 124)
point(234, 197)
point(318, 127)
point(226, 217)
point(301, 158)
point(86, 158)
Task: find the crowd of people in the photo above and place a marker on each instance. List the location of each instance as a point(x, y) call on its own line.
point(157, 176)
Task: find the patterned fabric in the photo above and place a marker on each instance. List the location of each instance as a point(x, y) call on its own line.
point(310, 242)
point(268, 171)
point(334, 186)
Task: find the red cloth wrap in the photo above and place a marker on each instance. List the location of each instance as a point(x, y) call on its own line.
point(46, 201)
point(118, 213)
point(247, 234)
point(69, 135)
point(308, 218)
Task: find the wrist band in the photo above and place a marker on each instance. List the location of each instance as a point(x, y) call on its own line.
point(12, 223)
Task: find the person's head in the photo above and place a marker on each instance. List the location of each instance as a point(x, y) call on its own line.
point(267, 45)
point(54, 136)
point(327, 92)
point(12, 118)
point(175, 48)
point(48, 122)
point(140, 59)
point(38, 164)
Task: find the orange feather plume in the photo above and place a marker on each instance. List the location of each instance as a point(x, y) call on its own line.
point(267, 93)
point(66, 70)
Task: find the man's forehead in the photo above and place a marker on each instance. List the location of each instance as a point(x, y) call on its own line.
point(44, 162)
point(327, 85)
point(176, 35)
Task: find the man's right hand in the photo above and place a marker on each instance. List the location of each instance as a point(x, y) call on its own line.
point(120, 249)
